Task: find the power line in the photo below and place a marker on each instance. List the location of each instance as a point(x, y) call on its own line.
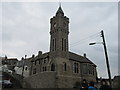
point(90, 37)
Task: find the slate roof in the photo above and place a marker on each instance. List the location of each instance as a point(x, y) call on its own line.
point(72, 56)
point(79, 58)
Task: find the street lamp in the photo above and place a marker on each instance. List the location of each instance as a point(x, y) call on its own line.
point(95, 43)
point(92, 43)
point(106, 55)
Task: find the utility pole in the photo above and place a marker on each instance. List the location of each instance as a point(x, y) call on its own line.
point(106, 55)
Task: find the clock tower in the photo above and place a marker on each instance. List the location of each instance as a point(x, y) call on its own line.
point(59, 31)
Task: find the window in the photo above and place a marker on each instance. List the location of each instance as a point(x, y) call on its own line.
point(65, 67)
point(90, 69)
point(35, 62)
point(75, 67)
point(53, 45)
point(34, 71)
point(44, 61)
point(53, 67)
point(44, 69)
point(84, 69)
point(26, 68)
point(65, 44)
point(64, 48)
point(39, 61)
point(93, 70)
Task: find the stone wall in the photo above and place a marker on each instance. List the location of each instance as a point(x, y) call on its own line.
point(67, 81)
point(59, 78)
point(63, 81)
point(116, 82)
point(42, 80)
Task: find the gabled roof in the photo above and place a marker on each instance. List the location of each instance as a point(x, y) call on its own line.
point(72, 56)
point(79, 58)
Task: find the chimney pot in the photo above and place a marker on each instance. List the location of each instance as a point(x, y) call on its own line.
point(40, 52)
point(85, 55)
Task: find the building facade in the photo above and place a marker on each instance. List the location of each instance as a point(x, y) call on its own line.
point(10, 62)
point(59, 68)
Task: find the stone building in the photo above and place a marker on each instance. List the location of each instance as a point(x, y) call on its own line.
point(22, 67)
point(10, 62)
point(59, 68)
point(116, 82)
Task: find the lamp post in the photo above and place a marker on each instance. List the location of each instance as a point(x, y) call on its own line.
point(106, 56)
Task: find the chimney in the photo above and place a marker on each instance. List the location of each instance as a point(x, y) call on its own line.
point(33, 56)
point(85, 55)
point(22, 58)
point(5, 57)
point(39, 52)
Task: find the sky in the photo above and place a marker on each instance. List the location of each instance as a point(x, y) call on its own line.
point(26, 27)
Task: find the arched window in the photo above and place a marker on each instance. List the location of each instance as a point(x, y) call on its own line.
point(76, 67)
point(85, 69)
point(26, 68)
point(65, 44)
point(65, 67)
point(53, 67)
point(53, 45)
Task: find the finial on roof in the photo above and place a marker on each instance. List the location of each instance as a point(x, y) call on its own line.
point(59, 4)
point(39, 52)
point(5, 56)
point(60, 11)
point(25, 56)
point(22, 58)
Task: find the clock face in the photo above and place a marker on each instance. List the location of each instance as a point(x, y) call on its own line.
point(54, 25)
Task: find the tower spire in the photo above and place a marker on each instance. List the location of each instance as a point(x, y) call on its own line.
point(59, 4)
point(59, 11)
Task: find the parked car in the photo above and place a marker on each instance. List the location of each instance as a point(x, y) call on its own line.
point(7, 84)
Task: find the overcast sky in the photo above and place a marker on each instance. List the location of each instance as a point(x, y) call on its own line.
point(26, 26)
